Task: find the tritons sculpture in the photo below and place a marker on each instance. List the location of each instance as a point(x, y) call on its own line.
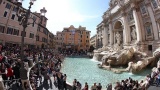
point(135, 59)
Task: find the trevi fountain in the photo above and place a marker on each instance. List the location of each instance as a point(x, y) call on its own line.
point(129, 38)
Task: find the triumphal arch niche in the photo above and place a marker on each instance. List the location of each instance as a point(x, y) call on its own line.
point(129, 31)
point(118, 35)
point(121, 24)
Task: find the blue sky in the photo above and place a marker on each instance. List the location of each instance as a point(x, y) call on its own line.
point(63, 13)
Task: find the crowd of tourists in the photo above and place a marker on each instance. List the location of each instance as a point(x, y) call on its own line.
point(152, 79)
point(9, 65)
point(127, 84)
point(46, 69)
point(48, 65)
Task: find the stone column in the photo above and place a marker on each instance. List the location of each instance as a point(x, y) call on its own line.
point(105, 36)
point(154, 25)
point(111, 34)
point(126, 33)
point(137, 23)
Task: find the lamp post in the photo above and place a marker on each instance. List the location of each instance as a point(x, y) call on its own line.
point(23, 18)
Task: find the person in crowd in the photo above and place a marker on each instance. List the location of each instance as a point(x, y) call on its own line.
point(0, 47)
point(86, 86)
point(64, 81)
point(99, 86)
point(75, 84)
point(147, 81)
point(46, 78)
point(3, 72)
point(109, 87)
point(153, 75)
point(118, 86)
point(16, 71)
point(60, 80)
point(55, 82)
point(94, 87)
point(79, 86)
point(26, 86)
point(123, 84)
point(9, 72)
point(158, 79)
point(1, 57)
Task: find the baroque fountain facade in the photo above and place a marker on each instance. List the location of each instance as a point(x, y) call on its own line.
point(131, 34)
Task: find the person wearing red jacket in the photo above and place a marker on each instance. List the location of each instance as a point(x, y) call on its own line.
point(9, 72)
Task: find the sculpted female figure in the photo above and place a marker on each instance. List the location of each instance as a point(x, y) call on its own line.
point(118, 38)
point(133, 34)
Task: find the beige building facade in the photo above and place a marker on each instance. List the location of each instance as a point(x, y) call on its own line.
point(99, 34)
point(132, 23)
point(58, 39)
point(93, 41)
point(11, 30)
point(73, 39)
point(42, 32)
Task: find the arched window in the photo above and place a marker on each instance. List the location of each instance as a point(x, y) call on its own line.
point(130, 15)
point(148, 28)
point(143, 8)
point(154, 3)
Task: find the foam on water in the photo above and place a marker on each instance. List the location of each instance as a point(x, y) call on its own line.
point(93, 60)
point(130, 73)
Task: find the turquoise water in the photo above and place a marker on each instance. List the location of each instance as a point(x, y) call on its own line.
point(86, 70)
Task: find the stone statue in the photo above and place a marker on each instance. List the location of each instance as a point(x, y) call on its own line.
point(118, 38)
point(133, 34)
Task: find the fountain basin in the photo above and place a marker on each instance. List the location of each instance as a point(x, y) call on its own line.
point(86, 70)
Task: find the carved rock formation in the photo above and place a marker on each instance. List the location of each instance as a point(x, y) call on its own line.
point(135, 59)
point(122, 57)
point(140, 65)
point(156, 53)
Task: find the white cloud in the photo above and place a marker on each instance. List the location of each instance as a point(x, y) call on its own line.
point(60, 14)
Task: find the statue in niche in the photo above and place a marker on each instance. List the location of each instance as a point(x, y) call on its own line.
point(118, 38)
point(133, 34)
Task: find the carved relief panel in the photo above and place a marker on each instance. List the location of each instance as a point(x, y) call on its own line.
point(148, 31)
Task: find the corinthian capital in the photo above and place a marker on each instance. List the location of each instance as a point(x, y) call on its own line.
point(147, 2)
point(109, 20)
point(135, 7)
point(104, 24)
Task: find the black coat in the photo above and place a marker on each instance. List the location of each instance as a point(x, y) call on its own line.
point(16, 70)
